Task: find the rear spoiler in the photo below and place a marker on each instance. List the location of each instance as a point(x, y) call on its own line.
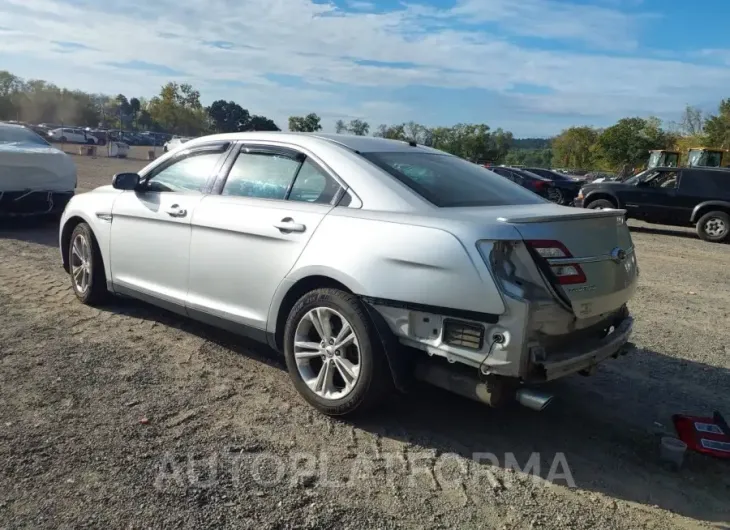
point(585, 214)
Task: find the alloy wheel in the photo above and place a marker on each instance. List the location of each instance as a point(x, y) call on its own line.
point(81, 263)
point(327, 353)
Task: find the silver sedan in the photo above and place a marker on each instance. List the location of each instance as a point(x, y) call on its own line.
point(365, 261)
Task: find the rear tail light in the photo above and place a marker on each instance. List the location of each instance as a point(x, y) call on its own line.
point(539, 185)
point(567, 273)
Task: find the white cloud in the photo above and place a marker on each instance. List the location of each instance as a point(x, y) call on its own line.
point(249, 44)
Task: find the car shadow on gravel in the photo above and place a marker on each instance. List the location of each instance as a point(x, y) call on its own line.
point(607, 427)
point(39, 230)
point(665, 231)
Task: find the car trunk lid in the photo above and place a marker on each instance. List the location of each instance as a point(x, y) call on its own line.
point(586, 256)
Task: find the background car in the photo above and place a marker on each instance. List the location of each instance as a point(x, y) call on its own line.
point(366, 261)
point(535, 183)
point(174, 142)
point(564, 189)
point(72, 135)
point(696, 196)
point(35, 178)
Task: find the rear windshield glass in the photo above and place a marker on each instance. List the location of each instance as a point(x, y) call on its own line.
point(20, 135)
point(448, 181)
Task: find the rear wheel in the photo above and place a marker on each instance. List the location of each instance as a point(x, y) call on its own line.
point(86, 267)
point(333, 353)
point(555, 195)
point(601, 204)
point(714, 226)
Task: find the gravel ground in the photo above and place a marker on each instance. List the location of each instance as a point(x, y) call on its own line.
point(131, 417)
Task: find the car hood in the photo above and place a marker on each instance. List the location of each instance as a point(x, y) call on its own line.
point(34, 167)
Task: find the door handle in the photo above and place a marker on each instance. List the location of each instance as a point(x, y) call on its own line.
point(176, 211)
point(287, 225)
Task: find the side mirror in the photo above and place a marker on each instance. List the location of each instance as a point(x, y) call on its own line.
point(125, 181)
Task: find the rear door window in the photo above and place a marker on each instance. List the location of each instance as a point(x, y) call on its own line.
point(313, 185)
point(261, 175)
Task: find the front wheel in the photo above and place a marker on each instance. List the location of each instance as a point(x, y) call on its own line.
point(601, 204)
point(334, 355)
point(86, 267)
point(63, 139)
point(714, 226)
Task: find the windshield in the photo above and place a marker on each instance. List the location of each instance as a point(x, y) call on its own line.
point(20, 135)
point(449, 181)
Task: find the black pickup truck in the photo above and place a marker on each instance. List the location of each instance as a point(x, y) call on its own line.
point(694, 196)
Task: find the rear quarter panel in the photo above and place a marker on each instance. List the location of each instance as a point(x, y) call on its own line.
point(395, 261)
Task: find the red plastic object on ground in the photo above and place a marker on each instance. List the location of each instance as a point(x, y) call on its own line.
point(709, 436)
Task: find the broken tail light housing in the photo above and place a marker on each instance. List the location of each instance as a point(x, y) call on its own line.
point(558, 257)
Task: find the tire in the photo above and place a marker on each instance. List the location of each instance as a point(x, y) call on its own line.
point(714, 226)
point(90, 141)
point(373, 380)
point(95, 292)
point(63, 139)
point(555, 195)
point(600, 204)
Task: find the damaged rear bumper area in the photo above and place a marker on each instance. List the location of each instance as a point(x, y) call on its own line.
point(30, 202)
point(584, 355)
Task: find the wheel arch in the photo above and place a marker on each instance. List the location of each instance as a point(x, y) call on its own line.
point(292, 289)
point(708, 206)
point(597, 195)
point(65, 239)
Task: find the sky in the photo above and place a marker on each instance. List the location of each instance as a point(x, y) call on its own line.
point(530, 66)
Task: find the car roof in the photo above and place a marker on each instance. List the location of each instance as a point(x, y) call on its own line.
point(12, 125)
point(360, 144)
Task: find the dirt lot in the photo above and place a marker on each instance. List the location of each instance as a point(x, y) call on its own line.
point(130, 417)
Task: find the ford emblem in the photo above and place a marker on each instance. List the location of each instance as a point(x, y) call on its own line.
point(618, 255)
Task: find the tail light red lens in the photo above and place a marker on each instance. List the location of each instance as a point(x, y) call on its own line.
point(567, 273)
point(539, 185)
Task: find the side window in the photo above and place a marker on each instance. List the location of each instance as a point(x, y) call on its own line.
point(313, 185)
point(261, 175)
point(189, 174)
point(665, 180)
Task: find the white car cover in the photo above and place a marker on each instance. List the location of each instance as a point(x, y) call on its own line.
point(35, 167)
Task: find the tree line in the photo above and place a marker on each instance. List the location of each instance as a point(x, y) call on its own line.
point(177, 110)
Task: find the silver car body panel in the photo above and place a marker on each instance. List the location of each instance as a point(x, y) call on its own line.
point(414, 262)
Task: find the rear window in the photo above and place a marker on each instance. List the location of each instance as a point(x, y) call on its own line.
point(20, 135)
point(449, 181)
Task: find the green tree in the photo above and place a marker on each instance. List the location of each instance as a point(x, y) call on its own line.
point(717, 127)
point(574, 147)
point(340, 127)
point(627, 143)
point(228, 116)
point(308, 123)
point(262, 123)
point(178, 110)
point(359, 127)
point(392, 132)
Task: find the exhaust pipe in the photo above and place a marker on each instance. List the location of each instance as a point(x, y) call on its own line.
point(533, 399)
point(494, 392)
